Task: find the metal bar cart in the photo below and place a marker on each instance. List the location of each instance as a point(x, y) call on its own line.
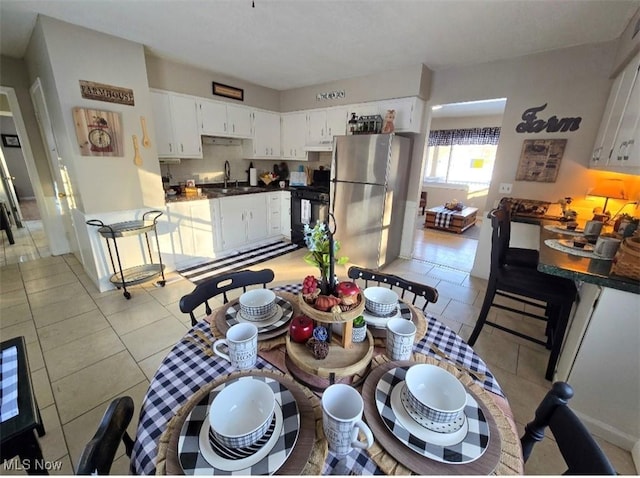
point(138, 274)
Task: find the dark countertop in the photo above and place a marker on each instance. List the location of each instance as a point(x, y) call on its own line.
point(213, 191)
point(595, 271)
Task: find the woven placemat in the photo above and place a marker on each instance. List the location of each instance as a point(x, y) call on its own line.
point(510, 462)
point(301, 461)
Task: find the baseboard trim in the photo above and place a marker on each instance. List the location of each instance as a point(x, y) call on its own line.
point(635, 454)
point(611, 434)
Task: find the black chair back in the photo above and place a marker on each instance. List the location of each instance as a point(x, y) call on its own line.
point(220, 284)
point(417, 290)
point(580, 451)
point(97, 456)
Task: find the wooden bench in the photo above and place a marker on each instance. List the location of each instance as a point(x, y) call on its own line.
point(459, 221)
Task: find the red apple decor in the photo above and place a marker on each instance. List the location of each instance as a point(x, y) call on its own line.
point(348, 292)
point(301, 329)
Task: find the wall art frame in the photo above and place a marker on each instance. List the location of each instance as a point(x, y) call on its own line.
point(227, 91)
point(540, 160)
point(99, 132)
point(11, 141)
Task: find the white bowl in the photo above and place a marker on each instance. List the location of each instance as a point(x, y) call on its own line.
point(434, 393)
point(241, 413)
point(257, 304)
point(380, 300)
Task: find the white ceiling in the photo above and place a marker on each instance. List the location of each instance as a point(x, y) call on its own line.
point(284, 44)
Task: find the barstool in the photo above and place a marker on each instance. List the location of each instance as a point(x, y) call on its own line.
point(521, 283)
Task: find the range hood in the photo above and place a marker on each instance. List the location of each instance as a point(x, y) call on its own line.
point(169, 160)
point(220, 141)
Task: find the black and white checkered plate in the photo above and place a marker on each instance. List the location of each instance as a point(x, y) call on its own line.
point(472, 446)
point(232, 314)
point(264, 458)
point(376, 321)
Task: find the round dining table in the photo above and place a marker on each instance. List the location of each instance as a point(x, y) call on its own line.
point(188, 368)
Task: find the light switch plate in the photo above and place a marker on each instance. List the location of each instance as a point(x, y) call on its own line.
point(505, 188)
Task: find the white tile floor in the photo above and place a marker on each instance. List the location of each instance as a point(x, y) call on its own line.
point(86, 347)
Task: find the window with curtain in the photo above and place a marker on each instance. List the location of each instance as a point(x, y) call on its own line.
point(462, 156)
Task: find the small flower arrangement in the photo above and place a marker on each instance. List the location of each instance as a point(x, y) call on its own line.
point(317, 241)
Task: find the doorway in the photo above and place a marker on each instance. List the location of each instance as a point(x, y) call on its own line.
point(17, 189)
point(458, 166)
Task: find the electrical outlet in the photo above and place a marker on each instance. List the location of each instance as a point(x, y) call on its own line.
point(505, 188)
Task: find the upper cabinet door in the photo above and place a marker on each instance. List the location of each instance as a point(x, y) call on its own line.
point(316, 127)
point(239, 121)
point(161, 107)
point(294, 129)
point(213, 118)
point(266, 130)
point(625, 150)
point(185, 126)
point(408, 113)
point(336, 122)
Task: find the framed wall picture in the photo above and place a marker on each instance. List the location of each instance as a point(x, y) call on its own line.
point(540, 160)
point(228, 91)
point(10, 141)
point(99, 132)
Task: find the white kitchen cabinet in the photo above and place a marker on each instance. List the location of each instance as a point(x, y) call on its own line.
point(409, 113)
point(221, 119)
point(619, 123)
point(266, 136)
point(604, 356)
point(626, 153)
point(323, 125)
point(243, 220)
point(294, 130)
point(191, 231)
point(176, 125)
point(285, 213)
point(274, 208)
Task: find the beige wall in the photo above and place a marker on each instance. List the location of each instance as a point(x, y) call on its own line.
point(13, 74)
point(628, 45)
point(573, 82)
point(410, 81)
point(168, 75)
point(100, 183)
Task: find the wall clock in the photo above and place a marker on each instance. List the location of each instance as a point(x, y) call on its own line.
point(99, 132)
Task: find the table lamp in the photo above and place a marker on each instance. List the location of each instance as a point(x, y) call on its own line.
point(609, 189)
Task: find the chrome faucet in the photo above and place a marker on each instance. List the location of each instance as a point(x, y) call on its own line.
point(227, 173)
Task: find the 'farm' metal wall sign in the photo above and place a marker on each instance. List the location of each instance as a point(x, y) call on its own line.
point(532, 124)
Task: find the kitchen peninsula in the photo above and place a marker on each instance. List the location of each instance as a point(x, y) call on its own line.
point(601, 351)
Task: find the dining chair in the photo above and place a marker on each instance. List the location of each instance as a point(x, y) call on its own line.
point(414, 289)
point(220, 284)
point(515, 256)
point(97, 455)
point(524, 284)
point(580, 451)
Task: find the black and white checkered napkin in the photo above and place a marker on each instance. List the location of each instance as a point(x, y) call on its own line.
point(287, 312)
point(9, 379)
point(193, 462)
point(469, 449)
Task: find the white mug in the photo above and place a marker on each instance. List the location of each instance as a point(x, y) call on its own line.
point(400, 336)
point(342, 408)
point(606, 247)
point(593, 228)
point(242, 343)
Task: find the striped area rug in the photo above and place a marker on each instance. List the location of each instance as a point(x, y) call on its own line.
point(237, 261)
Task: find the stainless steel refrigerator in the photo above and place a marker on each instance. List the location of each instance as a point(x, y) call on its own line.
point(369, 178)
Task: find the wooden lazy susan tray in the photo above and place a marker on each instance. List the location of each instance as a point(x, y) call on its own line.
point(341, 362)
